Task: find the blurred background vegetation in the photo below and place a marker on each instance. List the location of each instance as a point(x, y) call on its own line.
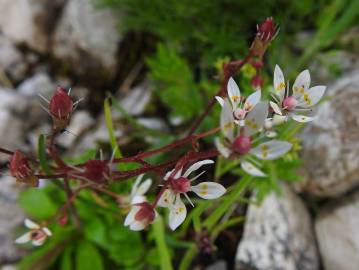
point(181, 46)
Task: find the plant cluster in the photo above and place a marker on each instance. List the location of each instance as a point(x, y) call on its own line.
point(251, 132)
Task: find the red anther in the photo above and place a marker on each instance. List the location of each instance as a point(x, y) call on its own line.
point(97, 171)
point(242, 144)
point(146, 213)
point(180, 185)
point(289, 103)
point(60, 108)
point(257, 82)
point(20, 169)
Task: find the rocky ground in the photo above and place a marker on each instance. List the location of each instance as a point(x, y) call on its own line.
point(44, 43)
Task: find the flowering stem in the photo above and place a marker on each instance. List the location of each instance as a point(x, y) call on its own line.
point(69, 195)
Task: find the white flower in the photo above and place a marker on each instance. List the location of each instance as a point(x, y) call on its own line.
point(37, 234)
point(139, 189)
point(238, 109)
point(300, 100)
point(241, 144)
point(179, 185)
point(141, 215)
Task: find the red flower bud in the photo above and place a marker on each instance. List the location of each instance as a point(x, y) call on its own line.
point(97, 171)
point(266, 30)
point(60, 108)
point(20, 169)
point(257, 82)
point(242, 144)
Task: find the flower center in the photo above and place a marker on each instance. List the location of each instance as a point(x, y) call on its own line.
point(180, 185)
point(240, 113)
point(145, 213)
point(289, 103)
point(242, 144)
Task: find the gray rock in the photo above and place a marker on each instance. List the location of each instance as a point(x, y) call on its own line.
point(12, 61)
point(330, 143)
point(11, 216)
point(87, 37)
point(136, 100)
point(337, 235)
point(278, 235)
point(219, 265)
point(38, 84)
point(29, 21)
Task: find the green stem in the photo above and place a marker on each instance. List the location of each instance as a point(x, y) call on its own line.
point(188, 257)
point(159, 233)
point(227, 202)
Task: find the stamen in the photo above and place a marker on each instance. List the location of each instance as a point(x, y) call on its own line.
point(45, 99)
point(188, 199)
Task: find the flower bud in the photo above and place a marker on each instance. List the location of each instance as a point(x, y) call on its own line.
point(266, 30)
point(97, 171)
point(289, 103)
point(242, 144)
point(20, 169)
point(60, 108)
point(140, 216)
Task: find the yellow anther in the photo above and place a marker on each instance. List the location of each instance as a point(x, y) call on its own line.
point(235, 98)
point(280, 87)
point(307, 99)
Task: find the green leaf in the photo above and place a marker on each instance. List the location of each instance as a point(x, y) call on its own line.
point(95, 231)
point(42, 154)
point(88, 257)
point(159, 233)
point(66, 259)
point(37, 203)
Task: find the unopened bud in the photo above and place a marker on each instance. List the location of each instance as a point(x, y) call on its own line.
point(97, 171)
point(60, 108)
point(266, 30)
point(20, 169)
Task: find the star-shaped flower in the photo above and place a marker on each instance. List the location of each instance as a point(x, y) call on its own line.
point(37, 234)
point(180, 184)
point(301, 98)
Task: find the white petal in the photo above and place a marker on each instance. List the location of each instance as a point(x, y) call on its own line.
point(302, 118)
point(138, 199)
point(196, 166)
point(135, 185)
point(47, 231)
point(251, 169)
point(279, 119)
point(39, 242)
point(209, 190)
point(227, 121)
point(23, 238)
point(252, 100)
point(178, 213)
point(271, 134)
point(130, 218)
point(233, 93)
point(168, 174)
point(144, 187)
point(167, 198)
point(226, 152)
point(301, 84)
point(312, 96)
point(275, 108)
point(255, 118)
point(220, 100)
point(137, 226)
point(271, 150)
point(31, 225)
point(279, 82)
